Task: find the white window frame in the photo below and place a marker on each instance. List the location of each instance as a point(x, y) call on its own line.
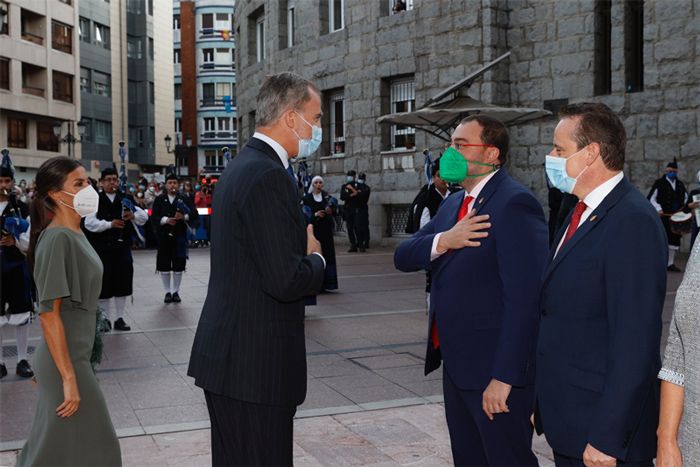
point(206, 121)
point(178, 125)
point(220, 25)
point(223, 124)
point(85, 81)
point(331, 15)
point(290, 26)
point(176, 56)
point(201, 21)
point(176, 22)
point(409, 6)
point(220, 96)
point(101, 87)
point(335, 97)
point(205, 53)
point(402, 90)
point(260, 39)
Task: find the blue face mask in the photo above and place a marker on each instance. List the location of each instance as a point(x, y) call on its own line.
point(309, 146)
point(558, 176)
point(349, 179)
point(672, 176)
point(360, 181)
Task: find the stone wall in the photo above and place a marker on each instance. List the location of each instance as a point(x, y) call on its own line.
point(442, 41)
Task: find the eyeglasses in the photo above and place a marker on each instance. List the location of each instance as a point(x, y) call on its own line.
point(459, 146)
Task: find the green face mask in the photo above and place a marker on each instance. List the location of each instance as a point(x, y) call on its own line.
point(454, 168)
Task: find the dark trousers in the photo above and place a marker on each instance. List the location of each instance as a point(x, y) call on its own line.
point(362, 227)
point(350, 215)
point(561, 460)
point(477, 441)
point(243, 433)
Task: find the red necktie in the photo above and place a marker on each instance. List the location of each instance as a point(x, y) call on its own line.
point(463, 210)
point(573, 224)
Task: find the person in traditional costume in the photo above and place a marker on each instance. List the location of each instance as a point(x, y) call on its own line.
point(320, 208)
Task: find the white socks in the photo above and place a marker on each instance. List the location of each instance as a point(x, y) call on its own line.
point(177, 279)
point(120, 305)
point(165, 276)
point(671, 254)
point(104, 305)
point(22, 342)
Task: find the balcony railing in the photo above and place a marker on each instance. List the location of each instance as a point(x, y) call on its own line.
point(39, 92)
point(33, 38)
point(210, 136)
point(211, 66)
point(211, 33)
point(212, 102)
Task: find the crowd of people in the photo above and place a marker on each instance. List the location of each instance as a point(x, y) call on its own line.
point(560, 335)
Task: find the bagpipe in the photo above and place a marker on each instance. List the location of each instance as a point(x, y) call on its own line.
point(139, 233)
point(13, 224)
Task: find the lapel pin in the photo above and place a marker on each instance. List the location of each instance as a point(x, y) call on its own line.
point(593, 217)
point(481, 200)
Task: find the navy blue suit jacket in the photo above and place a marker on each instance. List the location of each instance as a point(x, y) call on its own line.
point(485, 298)
point(600, 331)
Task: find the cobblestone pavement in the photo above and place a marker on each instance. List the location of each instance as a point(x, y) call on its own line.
point(368, 401)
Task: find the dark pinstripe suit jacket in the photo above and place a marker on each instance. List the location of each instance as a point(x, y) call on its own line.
point(249, 343)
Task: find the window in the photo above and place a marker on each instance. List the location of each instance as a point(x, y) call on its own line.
point(150, 48)
point(260, 39)
point(398, 6)
point(208, 21)
point(176, 56)
point(223, 22)
point(103, 132)
point(151, 93)
point(222, 89)
point(602, 44)
point(62, 86)
point(223, 57)
point(87, 130)
point(212, 158)
point(84, 80)
point(5, 73)
point(634, 40)
point(208, 94)
point(224, 124)
point(102, 36)
point(61, 37)
point(132, 92)
point(5, 18)
point(45, 139)
point(290, 27)
point(84, 30)
point(336, 17)
point(102, 84)
point(402, 99)
point(150, 7)
point(178, 125)
point(151, 137)
point(135, 137)
point(337, 122)
point(134, 6)
point(16, 132)
point(209, 124)
point(208, 56)
point(178, 91)
point(176, 22)
point(133, 47)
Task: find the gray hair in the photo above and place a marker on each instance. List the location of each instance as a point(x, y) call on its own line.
point(279, 93)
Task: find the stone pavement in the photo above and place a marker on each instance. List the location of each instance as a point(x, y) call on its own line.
point(368, 401)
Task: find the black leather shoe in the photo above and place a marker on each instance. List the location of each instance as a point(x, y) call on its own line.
point(674, 268)
point(352, 249)
point(120, 325)
point(168, 298)
point(176, 298)
point(3, 370)
point(24, 370)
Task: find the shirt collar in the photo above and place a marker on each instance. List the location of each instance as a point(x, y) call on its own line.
point(281, 152)
point(480, 186)
point(597, 196)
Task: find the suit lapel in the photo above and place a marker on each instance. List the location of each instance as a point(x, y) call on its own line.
point(590, 223)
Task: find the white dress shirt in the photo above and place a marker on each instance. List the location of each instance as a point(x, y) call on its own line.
point(284, 157)
point(435, 254)
point(425, 215)
point(93, 224)
point(594, 199)
point(654, 202)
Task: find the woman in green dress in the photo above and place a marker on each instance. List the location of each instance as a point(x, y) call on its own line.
point(71, 425)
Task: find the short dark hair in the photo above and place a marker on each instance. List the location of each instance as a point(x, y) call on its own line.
point(352, 172)
point(597, 123)
point(435, 167)
point(107, 172)
point(494, 133)
point(279, 93)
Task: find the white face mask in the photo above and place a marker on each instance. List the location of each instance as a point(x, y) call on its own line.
point(85, 202)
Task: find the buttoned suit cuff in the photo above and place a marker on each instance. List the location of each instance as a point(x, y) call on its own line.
point(322, 258)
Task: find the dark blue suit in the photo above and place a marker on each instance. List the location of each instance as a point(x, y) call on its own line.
point(485, 302)
point(598, 349)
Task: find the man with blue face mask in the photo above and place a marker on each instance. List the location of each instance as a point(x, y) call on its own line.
point(669, 196)
point(603, 290)
point(249, 352)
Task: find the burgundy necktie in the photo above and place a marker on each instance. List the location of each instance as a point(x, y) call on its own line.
point(463, 210)
point(575, 219)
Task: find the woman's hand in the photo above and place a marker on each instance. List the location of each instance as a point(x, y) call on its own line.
point(668, 454)
point(71, 399)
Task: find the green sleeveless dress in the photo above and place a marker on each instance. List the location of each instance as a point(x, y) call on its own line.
point(67, 267)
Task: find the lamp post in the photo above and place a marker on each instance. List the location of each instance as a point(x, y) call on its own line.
point(70, 139)
point(181, 150)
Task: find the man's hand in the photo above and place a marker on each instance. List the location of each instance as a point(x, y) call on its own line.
point(464, 233)
point(694, 205)
point(179, 216)
point(117, 224)
point(495, 398)
point(668, 454)
point(312, 245)
point(321, 214)
point(128, 216)
point(7, 240)
point(171, 221)
point(328, 211)
point(594, 458)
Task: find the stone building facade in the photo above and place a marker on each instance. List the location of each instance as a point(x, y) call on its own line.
point(642, 58)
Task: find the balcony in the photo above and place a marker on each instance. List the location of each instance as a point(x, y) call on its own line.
point(217, 136)
point(33, 80)
point(210, 102)
point(214, 67)
point(218, 34)
point(33, 27)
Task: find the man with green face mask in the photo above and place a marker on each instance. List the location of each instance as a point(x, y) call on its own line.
point(486, 249)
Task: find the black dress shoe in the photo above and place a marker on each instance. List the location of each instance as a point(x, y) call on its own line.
point(24, 370)
point(352, 249)
point(168, 298)
point(176, 298)
point(120, 325)
point(3, 370)
point(674, 268)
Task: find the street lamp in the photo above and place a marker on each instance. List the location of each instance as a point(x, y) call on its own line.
point(181, 150)
point(69, 138)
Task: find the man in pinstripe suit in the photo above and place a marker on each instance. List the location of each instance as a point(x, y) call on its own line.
point(249, 352)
